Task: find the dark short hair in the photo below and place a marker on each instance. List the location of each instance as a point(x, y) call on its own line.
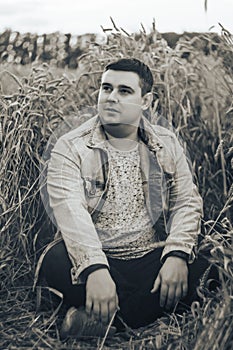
point(136, 66)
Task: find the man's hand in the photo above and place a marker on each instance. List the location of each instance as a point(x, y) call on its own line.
point(101, 295)
point(172, 280)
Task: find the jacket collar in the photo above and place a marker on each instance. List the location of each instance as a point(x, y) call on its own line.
point(97, 136)
point(146, 132)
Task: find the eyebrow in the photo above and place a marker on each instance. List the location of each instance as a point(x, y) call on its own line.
point(119, 86)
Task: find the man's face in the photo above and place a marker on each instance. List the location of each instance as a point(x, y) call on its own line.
point(120, 99)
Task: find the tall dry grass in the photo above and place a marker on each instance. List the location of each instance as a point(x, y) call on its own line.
point(193, 91)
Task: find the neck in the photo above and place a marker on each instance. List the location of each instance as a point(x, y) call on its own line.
point(123, 142)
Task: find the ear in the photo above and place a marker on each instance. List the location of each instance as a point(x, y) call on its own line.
point(147, 100)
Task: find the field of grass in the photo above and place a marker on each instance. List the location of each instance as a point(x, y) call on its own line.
point(193, 92)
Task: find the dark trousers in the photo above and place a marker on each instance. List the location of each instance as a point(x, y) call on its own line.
point(133, 278)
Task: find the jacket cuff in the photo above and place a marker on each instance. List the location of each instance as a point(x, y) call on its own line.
point(185, 248)
point(84, 263)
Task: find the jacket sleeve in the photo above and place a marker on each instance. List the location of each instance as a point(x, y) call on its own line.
point(67, 199)
point(185, 207)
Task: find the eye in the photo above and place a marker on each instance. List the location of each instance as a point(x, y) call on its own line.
point(124, 91)
point(106, 88)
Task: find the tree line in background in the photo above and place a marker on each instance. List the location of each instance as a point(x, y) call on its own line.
point(64, 50)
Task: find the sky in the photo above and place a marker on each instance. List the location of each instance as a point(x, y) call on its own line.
point(86, 16)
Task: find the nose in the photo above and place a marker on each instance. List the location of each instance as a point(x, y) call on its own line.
point(113, 97)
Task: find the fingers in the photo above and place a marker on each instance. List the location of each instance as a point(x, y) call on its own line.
point(89, 305)
point(96, 310)
point(184, 289)
point(102, 310)
point(107, 310)
point(163, 294)
point(171, 297)
point(156, 285)
point(103, 314)
point(171, 294)
point(112, 307)
point(177, 295)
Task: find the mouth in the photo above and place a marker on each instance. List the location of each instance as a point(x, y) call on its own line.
point(109, 109)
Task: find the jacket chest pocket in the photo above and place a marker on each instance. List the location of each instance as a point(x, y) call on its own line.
point(94, 190)
point(93, 187)
point(169, 180)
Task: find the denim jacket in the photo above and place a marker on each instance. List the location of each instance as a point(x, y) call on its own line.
point(77, 184)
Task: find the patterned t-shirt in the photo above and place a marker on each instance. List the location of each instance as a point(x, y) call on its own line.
point(124, 225)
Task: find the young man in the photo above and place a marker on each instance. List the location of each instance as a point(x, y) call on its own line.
point(126, 207)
